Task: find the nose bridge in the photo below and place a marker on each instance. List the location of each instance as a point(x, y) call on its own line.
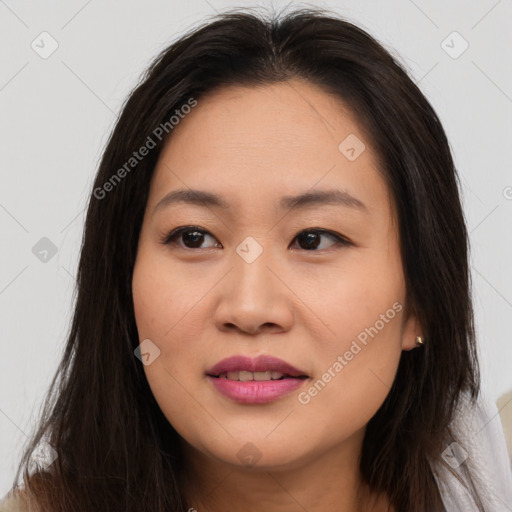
point(250, 272)
point(251, 298)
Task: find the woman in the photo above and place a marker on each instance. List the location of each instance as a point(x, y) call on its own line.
point(273, 308)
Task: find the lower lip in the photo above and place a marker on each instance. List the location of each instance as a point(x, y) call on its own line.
point(254, 391)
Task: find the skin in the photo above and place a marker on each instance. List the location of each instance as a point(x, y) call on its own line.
point(200, 305)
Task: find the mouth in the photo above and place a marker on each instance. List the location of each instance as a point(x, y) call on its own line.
point(255, 381)
point(246, 376)
point(262, 368)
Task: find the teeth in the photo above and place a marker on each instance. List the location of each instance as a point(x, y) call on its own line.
point(245, 376)
point(262, 375)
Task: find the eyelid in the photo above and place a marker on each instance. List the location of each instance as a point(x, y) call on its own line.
point(340, 240)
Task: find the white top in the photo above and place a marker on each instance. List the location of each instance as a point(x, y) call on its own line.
point(483, 448)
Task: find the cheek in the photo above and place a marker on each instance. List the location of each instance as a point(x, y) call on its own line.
point(361, 305)
point(166, 315)
point(162, 297)
point(356, 362)
point(352, 381)
point(152, 295)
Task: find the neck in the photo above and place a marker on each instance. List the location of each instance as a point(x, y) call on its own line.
point(329, 483)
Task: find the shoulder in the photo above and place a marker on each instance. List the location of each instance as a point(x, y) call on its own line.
point(14, 503)
point(479, 446)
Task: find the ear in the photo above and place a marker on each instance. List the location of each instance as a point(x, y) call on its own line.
point(410, 330)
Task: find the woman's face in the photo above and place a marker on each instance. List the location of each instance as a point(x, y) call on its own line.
point(245, 281)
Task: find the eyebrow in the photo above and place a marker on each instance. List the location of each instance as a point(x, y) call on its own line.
point(301, 201)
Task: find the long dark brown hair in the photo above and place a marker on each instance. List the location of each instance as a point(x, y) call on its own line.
point(116, 450)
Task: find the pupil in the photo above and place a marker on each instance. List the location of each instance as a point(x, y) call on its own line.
point(195, 239)
point(309, 238)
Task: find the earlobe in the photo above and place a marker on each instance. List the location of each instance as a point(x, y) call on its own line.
point(417, 342)
point(412, 334)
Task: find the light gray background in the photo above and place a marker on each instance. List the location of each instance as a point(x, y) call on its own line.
point(56, 114)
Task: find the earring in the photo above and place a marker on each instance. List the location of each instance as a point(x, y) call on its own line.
point(419, 340)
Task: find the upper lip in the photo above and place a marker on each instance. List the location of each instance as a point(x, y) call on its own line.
point(262, 363)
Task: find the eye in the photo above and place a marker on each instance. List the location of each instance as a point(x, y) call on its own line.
point(309, 239)
point(193, 238)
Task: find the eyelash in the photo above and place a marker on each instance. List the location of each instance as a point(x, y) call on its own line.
point(169, 239)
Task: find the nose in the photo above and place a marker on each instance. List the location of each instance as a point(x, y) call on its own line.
point(253, 298)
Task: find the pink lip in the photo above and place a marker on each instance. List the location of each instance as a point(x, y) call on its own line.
point(255, 392)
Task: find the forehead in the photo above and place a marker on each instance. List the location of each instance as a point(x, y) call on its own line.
point(269, 141)
point(286, 116)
